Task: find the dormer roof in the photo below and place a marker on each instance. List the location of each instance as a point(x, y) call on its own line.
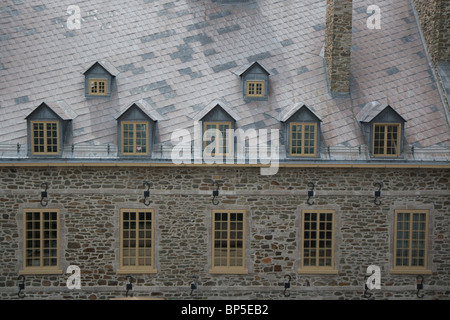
point(108, 67)
point(144, 107)
point(217, 103)
point(60, 108)
point(250, 66)
point(372, 109)
point(285, 115)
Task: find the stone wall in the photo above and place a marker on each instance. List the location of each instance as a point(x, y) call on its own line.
point(90, 199)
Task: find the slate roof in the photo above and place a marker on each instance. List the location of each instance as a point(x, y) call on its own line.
point(179, 56)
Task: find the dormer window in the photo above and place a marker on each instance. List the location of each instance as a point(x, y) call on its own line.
point(135, 138)
point(100, 79)
point(48, 126)
point(210, 142)
point(386, 139)
point(255, 89)
point(301, 127)
point(135, 127)
point(255, 82)
point(383, 129)
point(303, 140)
point(98, 87)
point(45, 137)
point(218, 120)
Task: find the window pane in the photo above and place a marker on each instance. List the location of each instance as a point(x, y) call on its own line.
point(379, 140)
point(259, 89)
point(317, 239)
point(136, 238)
point(251, 88)
point(255, 88)
point(212, 142)
point(410, 239)
point(386, 139)
point(41, 239)
point(228, 244)
point(303, 139)
point(101, 87)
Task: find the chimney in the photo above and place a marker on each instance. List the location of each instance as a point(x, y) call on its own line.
point(338, 43)
point(434, 17)
point(444, 32)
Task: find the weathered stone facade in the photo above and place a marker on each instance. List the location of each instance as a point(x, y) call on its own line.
point(434, 19)
point(89, 200)
point(434, 16)
point(338, 43)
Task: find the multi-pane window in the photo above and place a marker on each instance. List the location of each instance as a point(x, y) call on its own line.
point(318, 241)
point(41, 241)
point(216, 139)
point(137, 241)
point(255, 88)
point(44, 137)
point(410, 246)
point(386, 140)
point(303, 137)
point(134, 138)
point(228, 252)
point(97, 87)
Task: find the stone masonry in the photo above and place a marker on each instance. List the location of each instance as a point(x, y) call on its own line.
point(338, 43)
point(90, 198)
point(434, 16)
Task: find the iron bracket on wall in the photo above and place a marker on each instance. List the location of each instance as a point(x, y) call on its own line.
point(194, 284)
point(366, 288)
point(129, 285)
point(44, 194)
point(419, 286)
point(310, 193)
point(146, 193)
point(215, 194)
point(21, 294)
point(287, 285)
point(377, 193)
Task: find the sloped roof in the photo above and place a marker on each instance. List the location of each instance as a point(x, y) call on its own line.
point(179, 56)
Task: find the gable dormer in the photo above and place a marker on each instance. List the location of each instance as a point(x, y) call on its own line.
point(99, 79)
point(301, 130)
point(135, 129)
point(48, 127)
point(254, 82)
point(383, 129)
point(217, 117)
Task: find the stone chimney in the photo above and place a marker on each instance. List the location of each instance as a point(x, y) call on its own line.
point(338, 43)
point(434, 16)
point(444, 32)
